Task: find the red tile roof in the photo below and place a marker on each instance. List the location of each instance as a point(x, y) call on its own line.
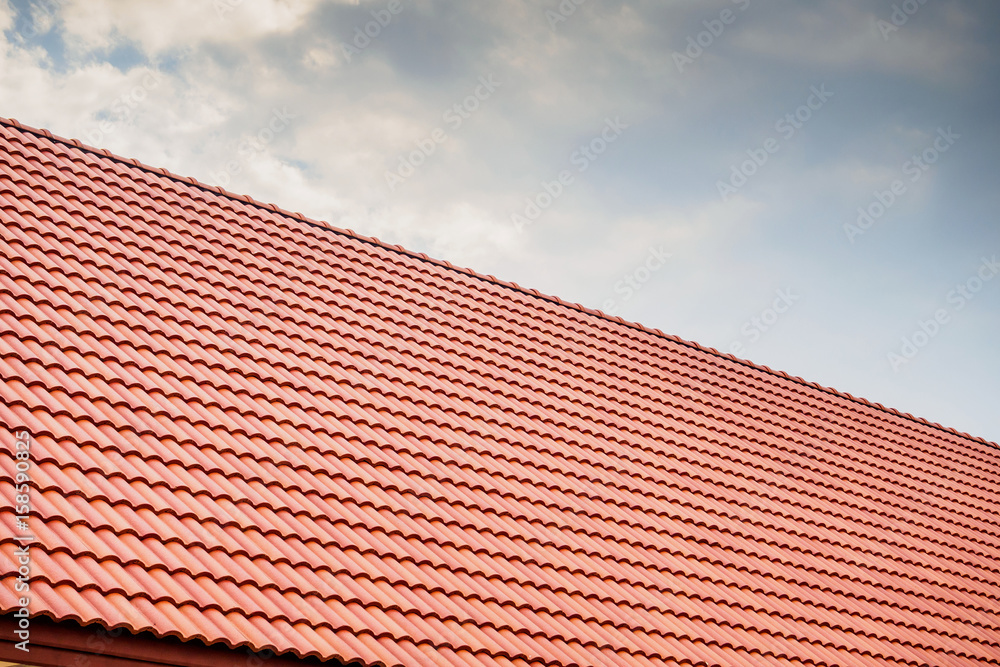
point(254, 429)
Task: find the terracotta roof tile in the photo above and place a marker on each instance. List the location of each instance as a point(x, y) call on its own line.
point(256, 430)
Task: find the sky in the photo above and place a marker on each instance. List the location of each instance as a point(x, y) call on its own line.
point(809, 185)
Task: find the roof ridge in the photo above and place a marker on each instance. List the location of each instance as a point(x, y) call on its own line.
point(711, 351)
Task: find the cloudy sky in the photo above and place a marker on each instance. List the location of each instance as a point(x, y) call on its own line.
point(810, 185)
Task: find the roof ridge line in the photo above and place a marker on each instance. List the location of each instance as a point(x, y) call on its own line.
point(274, 208)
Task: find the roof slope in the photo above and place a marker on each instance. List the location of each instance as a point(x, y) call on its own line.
point(254, 430)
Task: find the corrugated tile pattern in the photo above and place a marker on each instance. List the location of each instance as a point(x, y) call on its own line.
point(254, 430)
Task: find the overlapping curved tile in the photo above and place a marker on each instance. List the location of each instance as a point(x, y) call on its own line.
point(252, 429)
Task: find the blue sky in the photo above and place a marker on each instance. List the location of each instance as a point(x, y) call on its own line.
point(811, 185)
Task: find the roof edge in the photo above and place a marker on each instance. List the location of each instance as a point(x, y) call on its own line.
point(72, 641)
point(295, 215)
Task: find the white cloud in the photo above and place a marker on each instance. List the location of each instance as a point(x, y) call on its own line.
point(323, 55)
point(6, 16)
point(29, 88)
point(168, 25)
